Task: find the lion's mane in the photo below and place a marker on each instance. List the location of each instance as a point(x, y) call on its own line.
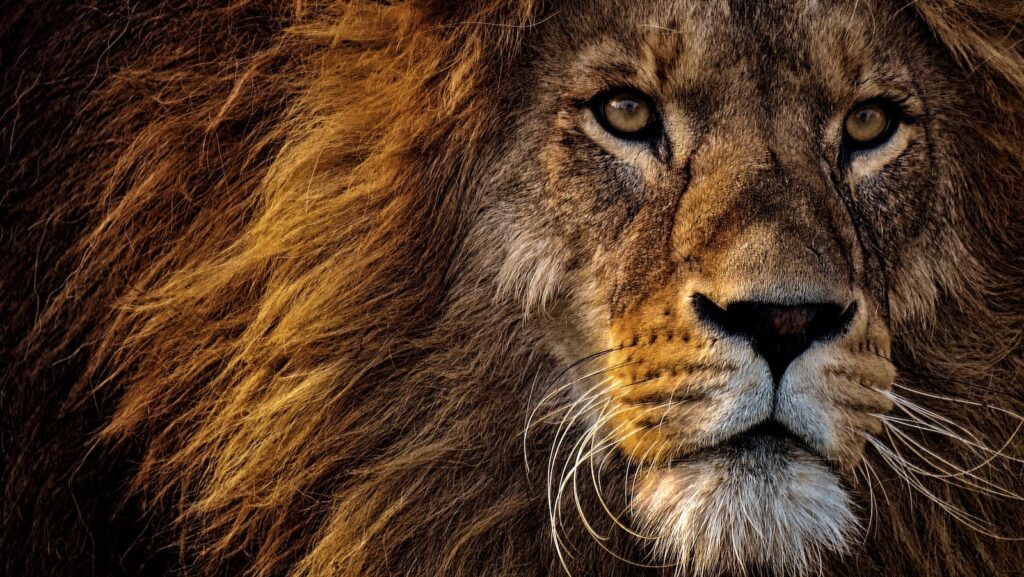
point(233, 306)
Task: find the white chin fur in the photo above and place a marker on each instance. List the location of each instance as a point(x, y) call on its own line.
point(759, 510)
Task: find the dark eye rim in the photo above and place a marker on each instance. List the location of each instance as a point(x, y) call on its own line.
point(650, 132)
point(895, 117)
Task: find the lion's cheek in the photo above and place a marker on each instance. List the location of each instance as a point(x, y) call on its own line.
point(834, 397)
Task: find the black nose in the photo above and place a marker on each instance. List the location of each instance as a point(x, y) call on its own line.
point(780, 333)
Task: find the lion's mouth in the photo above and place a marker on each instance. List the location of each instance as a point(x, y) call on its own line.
point(769, 433)
point(767, 439)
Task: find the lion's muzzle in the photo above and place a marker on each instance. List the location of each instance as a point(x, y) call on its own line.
point(744, 417)
point(779, 333)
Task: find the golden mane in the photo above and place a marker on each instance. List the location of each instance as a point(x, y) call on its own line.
point(232, 285)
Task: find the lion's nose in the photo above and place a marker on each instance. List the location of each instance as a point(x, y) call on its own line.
point(778, 332)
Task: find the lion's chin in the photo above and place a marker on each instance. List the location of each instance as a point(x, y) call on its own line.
point(766, 505)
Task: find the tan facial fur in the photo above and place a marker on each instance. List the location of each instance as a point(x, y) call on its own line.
point(748, 200)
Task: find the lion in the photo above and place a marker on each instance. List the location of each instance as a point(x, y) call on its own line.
point(504, 287)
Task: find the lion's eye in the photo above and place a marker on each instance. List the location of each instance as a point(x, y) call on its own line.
point(869, 124)
point(627, 114)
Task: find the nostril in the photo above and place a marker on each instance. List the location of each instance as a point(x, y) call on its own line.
point(788, 321)
point(778, 332)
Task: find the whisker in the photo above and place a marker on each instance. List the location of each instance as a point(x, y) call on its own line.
point(871, 500)
point(931, 428)
point(915, 411)
point(881, 484)
point(609, 441)
point(571, 475)
point(579, 407)
point(900, 465)
point(573, 412)
point(568, 384)
point(598, 487)
point(550, 395)
point(970, 385)
point(948, 477)
point(963, 401)
point(581, 445)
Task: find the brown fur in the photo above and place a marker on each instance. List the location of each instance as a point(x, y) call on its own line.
point(240, 334)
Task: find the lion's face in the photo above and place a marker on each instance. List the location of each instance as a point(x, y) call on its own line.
point(733, 201)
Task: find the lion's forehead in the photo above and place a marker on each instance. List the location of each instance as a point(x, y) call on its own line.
point(752, 96)
point(730, 57)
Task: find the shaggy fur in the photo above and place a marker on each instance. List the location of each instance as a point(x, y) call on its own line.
point(240, 337)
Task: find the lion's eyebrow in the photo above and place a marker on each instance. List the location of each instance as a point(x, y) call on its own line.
point(609, 59)
point(589, 78)
point(615, 70)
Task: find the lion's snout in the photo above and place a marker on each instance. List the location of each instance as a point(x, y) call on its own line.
point(778, 332)
point(692, 374)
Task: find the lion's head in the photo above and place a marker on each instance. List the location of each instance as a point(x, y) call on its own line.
point(667, 287)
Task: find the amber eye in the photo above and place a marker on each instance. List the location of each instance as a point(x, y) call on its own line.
point(625, 113)
point(869, 124)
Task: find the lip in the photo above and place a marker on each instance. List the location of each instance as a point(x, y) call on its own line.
point(769, 433)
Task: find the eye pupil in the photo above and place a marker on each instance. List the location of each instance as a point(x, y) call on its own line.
point(625, 105)
point(627, 114)
point(867, 123)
